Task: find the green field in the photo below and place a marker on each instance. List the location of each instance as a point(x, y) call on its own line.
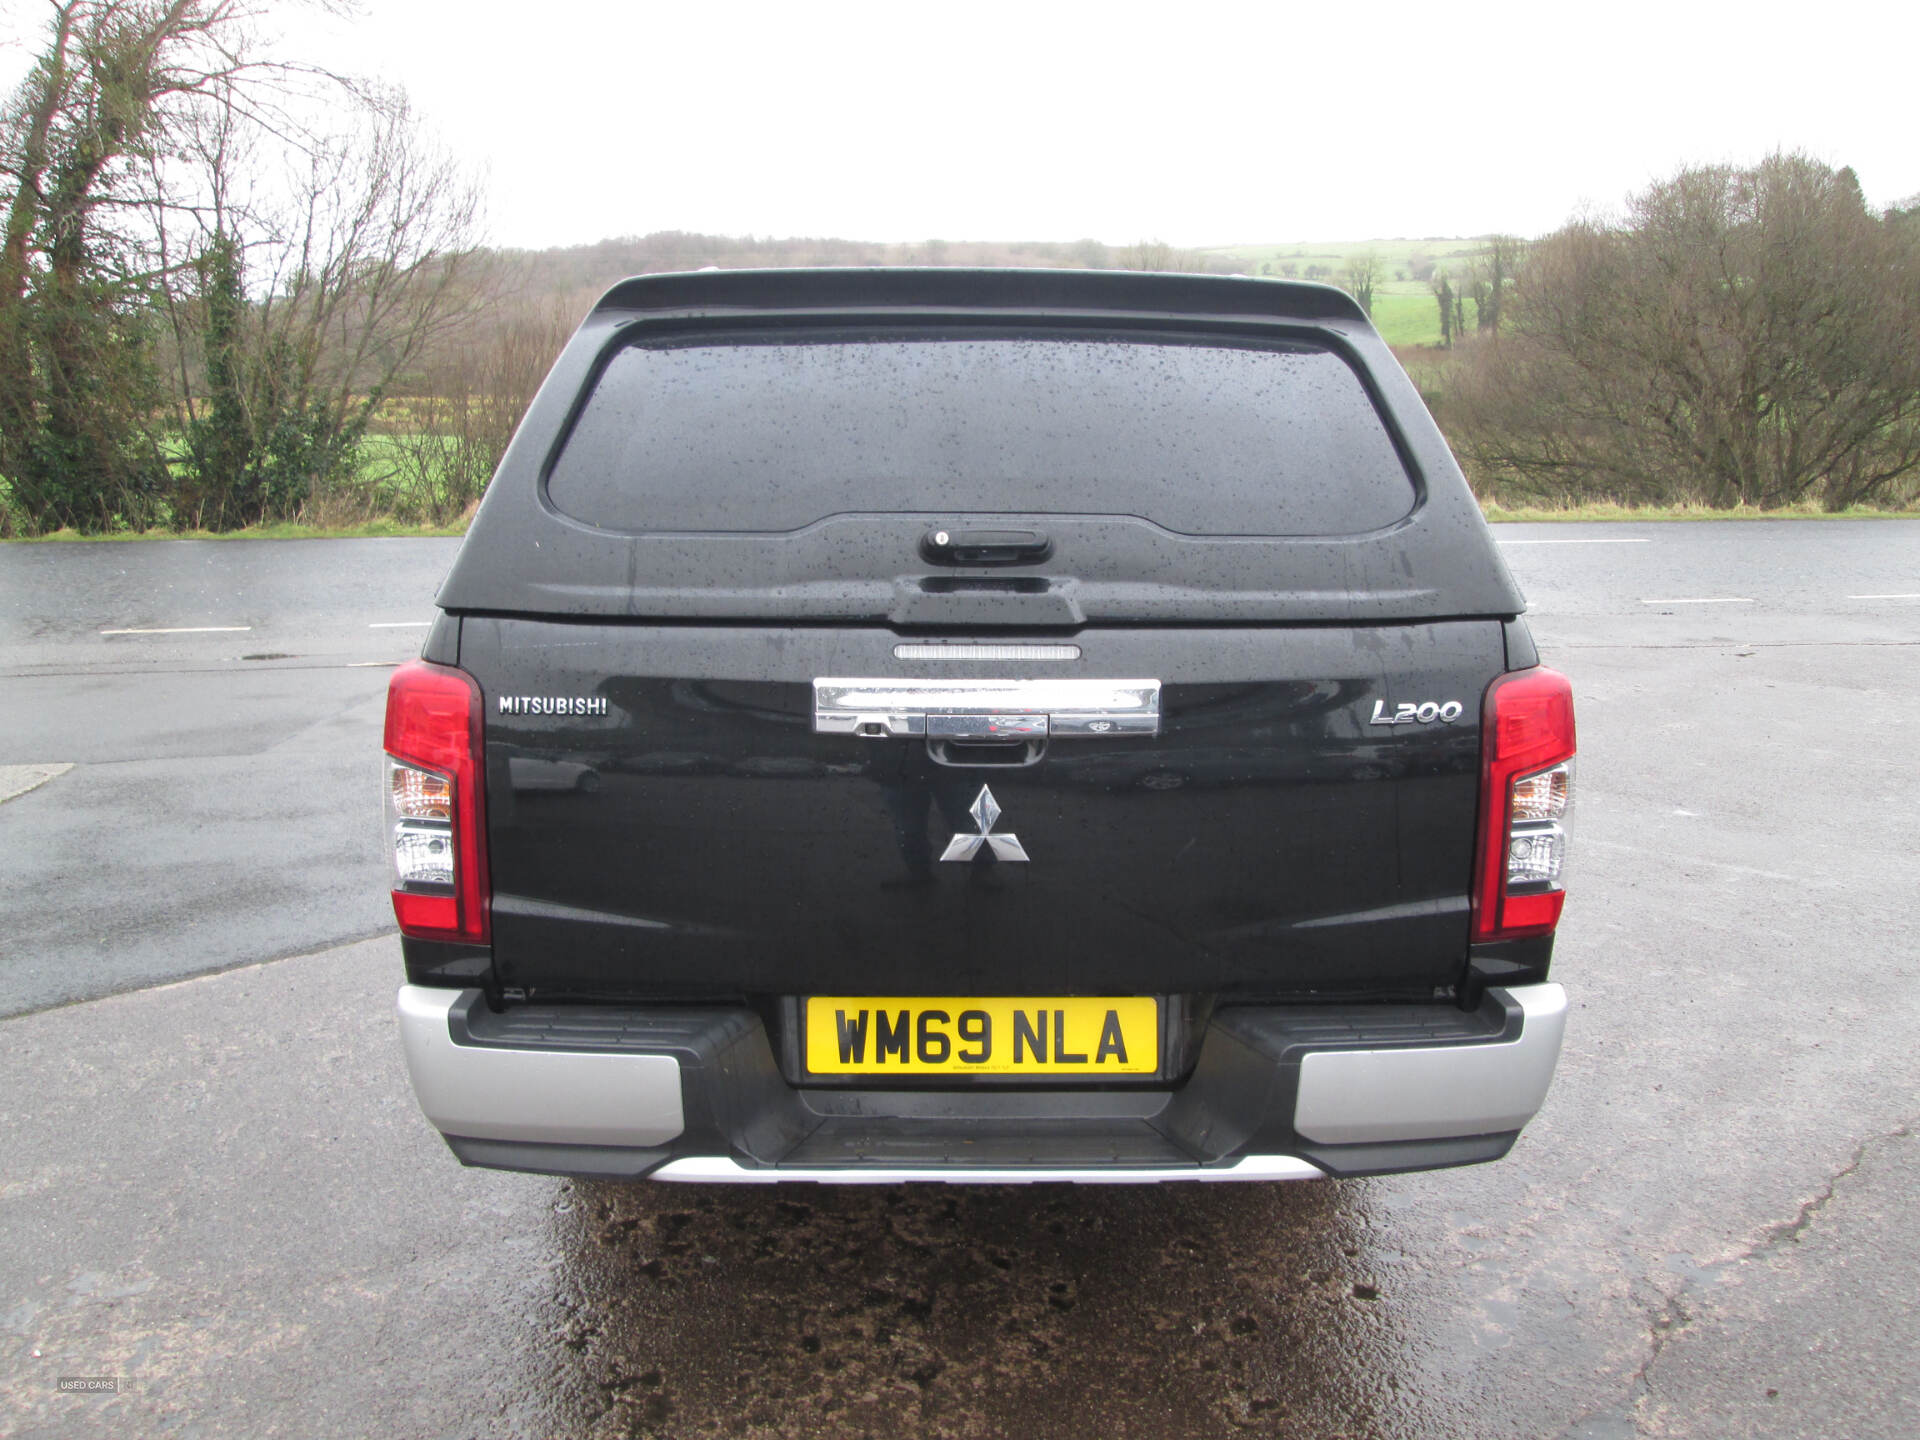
point(1404, 309)
point(1406, 319)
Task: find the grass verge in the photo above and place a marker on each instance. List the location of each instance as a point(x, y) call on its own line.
point(360, 530)
point(1495, 512)
point(1534, 514)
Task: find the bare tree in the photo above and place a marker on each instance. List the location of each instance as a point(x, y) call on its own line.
point(1490, 274)
point(1158, 255)
point(1362, 274)
point(1742, 336)
point(101, 104)
point(311, 299)
point(299, 262)
point(1089, 254)
point(1473, 289)
point(474, 390)
point(1442, 288)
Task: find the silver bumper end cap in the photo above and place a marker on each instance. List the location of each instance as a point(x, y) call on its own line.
point(552, 1097)
point(1357, 1097)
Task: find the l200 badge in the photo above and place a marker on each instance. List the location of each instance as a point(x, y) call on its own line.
point(1416, 712)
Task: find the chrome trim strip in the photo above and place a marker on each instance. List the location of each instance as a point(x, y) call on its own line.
point(1063, 724)
point(956, 651)
point(987, 727)
point(721, 1169)
point(558, 1097)
point(1354, 1097)
point(1074, 706)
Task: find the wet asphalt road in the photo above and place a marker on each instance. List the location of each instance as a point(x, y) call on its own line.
point(221, 1192)
point(223, 806)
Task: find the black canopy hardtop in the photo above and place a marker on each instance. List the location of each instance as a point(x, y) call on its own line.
point(650, 365)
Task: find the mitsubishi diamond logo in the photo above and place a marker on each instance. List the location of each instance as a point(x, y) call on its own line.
point(985, 811)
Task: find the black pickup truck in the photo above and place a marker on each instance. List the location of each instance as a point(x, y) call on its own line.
point(978, 725)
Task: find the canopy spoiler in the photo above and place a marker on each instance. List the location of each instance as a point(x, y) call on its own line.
point(1111, 291)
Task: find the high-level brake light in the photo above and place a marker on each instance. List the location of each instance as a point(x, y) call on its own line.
point(435, 810)
point(1526, 791)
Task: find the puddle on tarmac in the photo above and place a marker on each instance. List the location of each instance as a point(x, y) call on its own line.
point(959, 1310)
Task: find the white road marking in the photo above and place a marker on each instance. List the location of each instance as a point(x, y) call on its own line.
point(184, 630)
point(399, 624)
point(371, 664)
point(1884, 597)
point(1611, 540)
point(19, 779)
point(1709, 600)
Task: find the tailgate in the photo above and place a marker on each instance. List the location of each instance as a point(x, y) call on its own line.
point(697, 812)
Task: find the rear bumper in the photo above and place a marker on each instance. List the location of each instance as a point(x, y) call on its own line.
point(694, 1094)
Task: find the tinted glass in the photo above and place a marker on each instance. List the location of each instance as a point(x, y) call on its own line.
point(1202, 438)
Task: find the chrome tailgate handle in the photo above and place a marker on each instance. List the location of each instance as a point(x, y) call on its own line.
point(1060, 709)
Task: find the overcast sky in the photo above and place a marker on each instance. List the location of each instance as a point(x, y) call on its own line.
point(1199, 124)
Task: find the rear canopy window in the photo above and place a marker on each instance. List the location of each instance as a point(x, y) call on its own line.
point(1203, 438)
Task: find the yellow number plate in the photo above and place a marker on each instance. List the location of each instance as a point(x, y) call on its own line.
point(968, 1035)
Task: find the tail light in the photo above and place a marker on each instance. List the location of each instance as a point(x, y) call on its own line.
point(1526, 789)
point(435, 810)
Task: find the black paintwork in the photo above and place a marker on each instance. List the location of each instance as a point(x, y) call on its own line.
point(1522, 654)
point(1507, 962)
point(1047, 292)
point(700, 841)
point(442, 646)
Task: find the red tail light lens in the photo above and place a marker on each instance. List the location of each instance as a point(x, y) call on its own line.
point(1526, 792)
point(435, 806)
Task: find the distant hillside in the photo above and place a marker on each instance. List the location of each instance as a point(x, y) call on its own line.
point(575, 275)
point(581, 272)
point(1400, 253)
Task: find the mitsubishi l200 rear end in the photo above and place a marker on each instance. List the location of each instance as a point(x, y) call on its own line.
point(978, 726)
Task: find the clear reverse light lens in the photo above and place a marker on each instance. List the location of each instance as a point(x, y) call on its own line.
point(422, 856)
point(1537, 839)
point(420, 827)
point(1534, 857)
